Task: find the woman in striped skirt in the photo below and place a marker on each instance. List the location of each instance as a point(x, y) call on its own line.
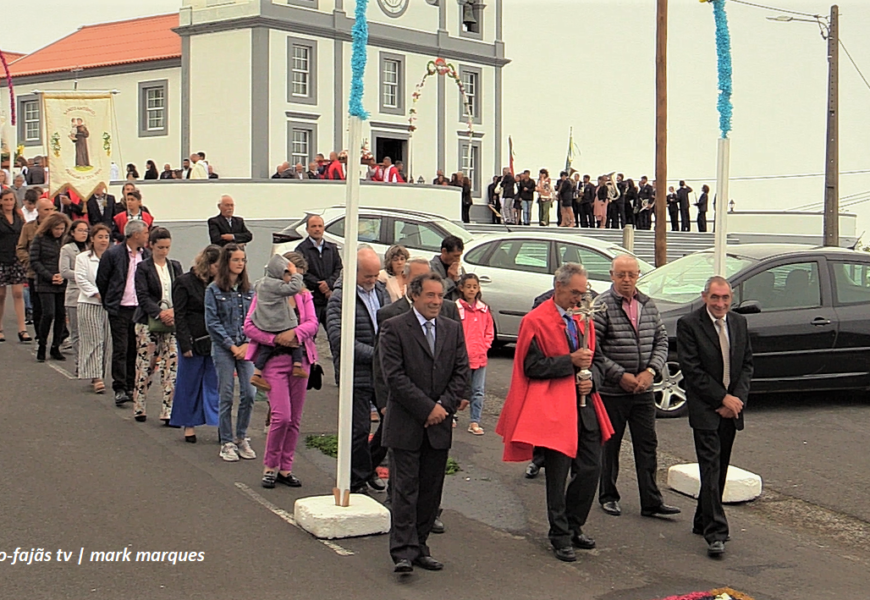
point(93, 320)
point(76, 243)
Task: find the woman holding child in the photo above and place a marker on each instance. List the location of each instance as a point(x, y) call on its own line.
point(288, 389)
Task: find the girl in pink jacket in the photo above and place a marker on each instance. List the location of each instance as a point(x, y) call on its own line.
point(478, 327)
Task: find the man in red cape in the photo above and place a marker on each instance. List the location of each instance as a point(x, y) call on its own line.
point(543, 409)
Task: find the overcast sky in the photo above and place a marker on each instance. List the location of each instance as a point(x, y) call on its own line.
point(590, 64)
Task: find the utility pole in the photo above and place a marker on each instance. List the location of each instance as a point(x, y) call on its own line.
point(832, 153)
point(661, 175)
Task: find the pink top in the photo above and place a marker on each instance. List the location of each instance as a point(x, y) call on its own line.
point(479, 332)
point(129, 297)
point(630, 307)
point(308, 326)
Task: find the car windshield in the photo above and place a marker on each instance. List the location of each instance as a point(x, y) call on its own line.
point(645, 267)
point(681, 281)
point(454, 229)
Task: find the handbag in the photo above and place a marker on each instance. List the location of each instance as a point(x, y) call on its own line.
point(315, 377)
point(202, 346)
point(158, 326)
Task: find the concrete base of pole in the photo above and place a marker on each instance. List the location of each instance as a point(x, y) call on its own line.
point(740, 486)
point(320, 517)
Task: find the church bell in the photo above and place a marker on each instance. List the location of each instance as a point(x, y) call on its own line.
point(468, 18)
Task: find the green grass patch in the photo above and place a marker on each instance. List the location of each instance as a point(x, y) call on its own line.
point(328, 444)
point(452, 467)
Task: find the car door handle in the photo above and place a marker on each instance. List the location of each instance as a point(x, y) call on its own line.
point(485, 279)
point(820, 321)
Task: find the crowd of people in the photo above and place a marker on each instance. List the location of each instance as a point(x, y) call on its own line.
point(611, 202)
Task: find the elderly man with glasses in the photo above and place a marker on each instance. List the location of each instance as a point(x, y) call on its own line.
point(632, 351)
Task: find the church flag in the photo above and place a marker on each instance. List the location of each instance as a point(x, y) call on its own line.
point(78, 134)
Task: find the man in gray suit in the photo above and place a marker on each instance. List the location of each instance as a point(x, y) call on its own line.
point(425, 365)
point(716, 361)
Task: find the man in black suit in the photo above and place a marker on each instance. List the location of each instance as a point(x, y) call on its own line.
point(226, 229)
point(716, 361)
point(102, 207)
point(425, 364)
point(683, 196)
point(324, 265)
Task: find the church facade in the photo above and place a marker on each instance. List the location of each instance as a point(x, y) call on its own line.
point(254, 83)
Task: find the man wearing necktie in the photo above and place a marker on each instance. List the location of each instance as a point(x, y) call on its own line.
point(226, 228)
point(716, 360)
point(542, 410)
point(425, 365)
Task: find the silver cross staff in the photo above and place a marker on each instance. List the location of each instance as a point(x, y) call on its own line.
point(586, 309)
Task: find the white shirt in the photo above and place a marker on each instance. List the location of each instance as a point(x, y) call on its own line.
point(87, 264)
point(165, 283)
point(423, 322)
point(29, 215)
point(725, 321)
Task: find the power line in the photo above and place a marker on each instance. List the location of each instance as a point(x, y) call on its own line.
point(854, 64)
point(763, 177)
point(783, 10)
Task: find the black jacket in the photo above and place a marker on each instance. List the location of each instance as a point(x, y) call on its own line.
point(508, 186)
point(148, 288)
point(417, 379)
point(321, 267)
point(45, 262)
point(700, 359)
point(702, 202)
point(683, 195)
point(364, 340)
point(399, 307)
point(188, 302)
point(35, 175)
point(527, 189)
point(112, 275)
point(566, 193)
point(165, 175)
point(218, 226)
point(96, 214)
point(9, 234)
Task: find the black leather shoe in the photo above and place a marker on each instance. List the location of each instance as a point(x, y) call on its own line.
point(403, 566)
point(190, 439)
point(664, 509)
point(438, 526)
point(428, 563)
point(532, 471)
point(612, 508)
point(40, 354)
point(121, 398)
point(565, 554)
point(716, 548)
point(140, 418)
point(290, 480)
point(268, 481)
point(56, 354)
point(376, 483)
point(582, 541)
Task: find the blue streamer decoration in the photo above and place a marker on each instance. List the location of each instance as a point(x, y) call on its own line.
point(723, 51)
point(360, 36)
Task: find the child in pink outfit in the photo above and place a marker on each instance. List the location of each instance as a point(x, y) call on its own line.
point(479, 333)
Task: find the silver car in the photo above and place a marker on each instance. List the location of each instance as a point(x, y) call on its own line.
point(421, 233)
point(514, 268)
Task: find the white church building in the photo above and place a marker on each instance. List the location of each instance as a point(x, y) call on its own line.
point(254, 83)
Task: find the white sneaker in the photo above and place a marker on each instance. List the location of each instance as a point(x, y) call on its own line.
point(229, 452)
point(244, 449)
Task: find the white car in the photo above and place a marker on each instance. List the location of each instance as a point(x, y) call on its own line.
point(421, 233)
point(515, 268)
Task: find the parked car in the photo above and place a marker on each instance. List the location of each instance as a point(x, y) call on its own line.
point(807, 308)
point(420, 232)
point(514, 268)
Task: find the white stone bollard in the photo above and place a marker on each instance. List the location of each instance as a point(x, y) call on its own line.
point(740, 485)
point(320, 517)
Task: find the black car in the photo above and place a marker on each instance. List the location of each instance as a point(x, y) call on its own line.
point(807, 307)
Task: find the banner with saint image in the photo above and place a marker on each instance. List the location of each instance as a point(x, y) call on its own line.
point(78, 128)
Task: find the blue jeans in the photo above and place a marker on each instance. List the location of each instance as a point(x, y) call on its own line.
point(225, 365)
point(527, 212)
point(478, 382)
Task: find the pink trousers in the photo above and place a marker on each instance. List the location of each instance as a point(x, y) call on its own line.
point(286, 401)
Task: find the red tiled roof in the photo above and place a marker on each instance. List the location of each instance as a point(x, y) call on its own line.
point(11, 57)
point(121, 42)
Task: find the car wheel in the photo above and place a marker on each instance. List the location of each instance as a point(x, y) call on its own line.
point(670, 393)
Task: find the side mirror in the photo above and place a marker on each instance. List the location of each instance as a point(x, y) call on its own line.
point(749, 307)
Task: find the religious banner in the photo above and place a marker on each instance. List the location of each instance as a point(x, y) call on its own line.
point(78, 128)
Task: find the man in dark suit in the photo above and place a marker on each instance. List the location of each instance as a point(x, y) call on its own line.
point(425, 364)
point(324, 265)
point(226, 229)
point(683, 196)
point(102, 207)
point(716, 361)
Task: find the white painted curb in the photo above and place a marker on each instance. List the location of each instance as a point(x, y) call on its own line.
point(740, 486)
point(320, 517)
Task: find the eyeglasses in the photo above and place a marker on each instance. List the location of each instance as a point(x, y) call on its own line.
point(624, 274)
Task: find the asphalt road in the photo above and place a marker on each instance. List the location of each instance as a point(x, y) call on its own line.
point(79, 473)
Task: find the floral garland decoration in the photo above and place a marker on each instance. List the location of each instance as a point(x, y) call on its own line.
point(107, 143)
point(441, 67)
point(723, 51)
point(360, 35)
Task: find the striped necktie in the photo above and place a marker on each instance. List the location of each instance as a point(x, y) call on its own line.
point(726, 353)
